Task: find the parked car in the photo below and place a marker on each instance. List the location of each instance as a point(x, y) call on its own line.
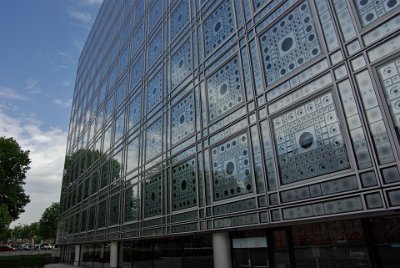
point(6, 248)
point(26, 247)
point(46, 246)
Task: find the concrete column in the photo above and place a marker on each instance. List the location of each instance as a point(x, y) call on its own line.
point(114, 255)
point(77, 255)
point(222, 250)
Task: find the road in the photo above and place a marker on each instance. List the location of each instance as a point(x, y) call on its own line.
point(28, 252)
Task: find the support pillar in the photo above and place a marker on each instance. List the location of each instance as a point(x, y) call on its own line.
point(222, 250)
point(114, 255)
point(77, 255)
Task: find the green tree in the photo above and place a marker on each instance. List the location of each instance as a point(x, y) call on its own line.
point(48, 222)
point(26, 231)
point(5, 220)
point(14, 163)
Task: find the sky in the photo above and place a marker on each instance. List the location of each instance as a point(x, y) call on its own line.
point(40, 44)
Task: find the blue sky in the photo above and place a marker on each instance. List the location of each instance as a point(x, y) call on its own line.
point(40, 43)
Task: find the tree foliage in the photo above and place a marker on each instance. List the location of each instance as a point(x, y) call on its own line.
point(5, 220)
point(26, 231)
point(48, 222)
point(14, 163)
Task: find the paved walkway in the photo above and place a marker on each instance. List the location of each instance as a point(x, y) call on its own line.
point(61, 265)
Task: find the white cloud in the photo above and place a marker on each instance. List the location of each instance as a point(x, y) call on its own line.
point(91, 2)
point(10, 93)
point(31, 85)
point(66, 83)
point(83, 17)
point(47, 152)
point(63, 103)
point(78, 44)
point(8, 106)
point(59, 67)
point(66, 56)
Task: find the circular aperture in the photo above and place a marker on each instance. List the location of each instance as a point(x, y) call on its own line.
point(183, 185)
point(182, 119)
point(287, 44)
point(217, 27)
point(306, 140)
point(391, 3)
point(369, 17)
point(223, 89)
point(230, 167)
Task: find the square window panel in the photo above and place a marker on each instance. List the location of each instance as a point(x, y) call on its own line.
point(154, 91)
point(218, 26)
point(371, 10)
point(289, 44)
point(137, 39)
point(184, 193)
point(389, 75)
point(179, 17)
point(155, 48)
point(224, 89)
point(132, 201)
point(309, 141)
point(231, 168)
point(182, 119)
point(137, 72)
point(152, 196)
point(135, 110)
point(181, 63)
point(154, 140)
point(132, 154)
point(155, 13)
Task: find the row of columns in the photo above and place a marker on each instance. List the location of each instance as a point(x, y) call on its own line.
point(221, 252)
point(115, 255)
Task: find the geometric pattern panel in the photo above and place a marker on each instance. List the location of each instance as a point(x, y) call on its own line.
point(113, 210)
point(154, 91)
point(371, 10)
point(155, 48)
point(309, 142)
point(137, 39)
point(390, 175)
point(218, 26)
point(257, 4)
point(135, 110)
point(132, 154)
point(231, 168)
point(323, 208)
point(137, 72)
point(390, 80)
point(394, 198)
point(224, 89)
point(179, 17)
point(289, 44)
point(373, 111)
point(181, 63)
point(155, 13)
point(184, 185)
point(132, 202)
point(182, 119)
point(152, 196)
point(154, 139)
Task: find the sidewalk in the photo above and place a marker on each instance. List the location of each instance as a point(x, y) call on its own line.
point(61, 265)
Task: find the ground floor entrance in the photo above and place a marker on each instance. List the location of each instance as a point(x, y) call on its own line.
point(364, 243)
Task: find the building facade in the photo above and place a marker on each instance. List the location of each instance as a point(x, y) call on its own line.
point(235, 133)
